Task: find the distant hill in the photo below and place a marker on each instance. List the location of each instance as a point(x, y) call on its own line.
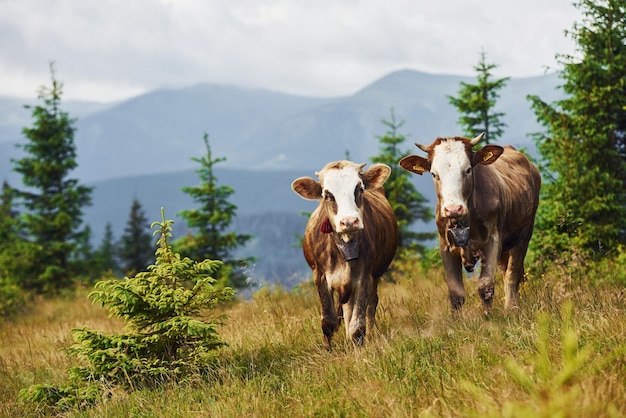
point(258, 129)
point(143, 147)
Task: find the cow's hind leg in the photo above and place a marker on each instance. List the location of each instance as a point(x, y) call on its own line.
point(372, 304)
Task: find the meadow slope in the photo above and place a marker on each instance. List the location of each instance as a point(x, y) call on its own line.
point(563, 353)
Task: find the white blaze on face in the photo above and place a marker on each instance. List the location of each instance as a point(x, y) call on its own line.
point(339, 188)
point(451, 168)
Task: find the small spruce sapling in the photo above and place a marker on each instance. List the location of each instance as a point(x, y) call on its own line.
point(165, 337)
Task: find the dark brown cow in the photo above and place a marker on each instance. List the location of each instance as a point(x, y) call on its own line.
point(486, 204)
point(349, 242)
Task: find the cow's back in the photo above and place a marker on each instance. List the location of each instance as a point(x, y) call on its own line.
point(507, 192)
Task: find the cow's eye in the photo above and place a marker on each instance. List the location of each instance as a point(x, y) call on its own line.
point(328, 196)
point(358, 194)
point(468, 171)
point(435, 175)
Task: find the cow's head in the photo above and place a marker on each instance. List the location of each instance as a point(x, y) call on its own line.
point(341, 186)
point(451, 161)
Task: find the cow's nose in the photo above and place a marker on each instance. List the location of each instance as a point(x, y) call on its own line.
point(453, 211)
point(349, 224)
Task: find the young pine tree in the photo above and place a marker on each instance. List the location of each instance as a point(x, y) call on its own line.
point(209, 237)
point(52, 200)
point(583, 147)
point(135, 247)
point(476, 102)
point(83, 259)
point(8, 215)
point(408, 204)
point(15, 251)
point(12, 259)
point(106, 255)
point(169, 334)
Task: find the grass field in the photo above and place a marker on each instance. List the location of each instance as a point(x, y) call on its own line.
point(562, 354)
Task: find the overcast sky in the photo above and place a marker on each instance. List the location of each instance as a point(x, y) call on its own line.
point(113, 49)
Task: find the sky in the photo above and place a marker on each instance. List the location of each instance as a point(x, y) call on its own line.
point(110, 50)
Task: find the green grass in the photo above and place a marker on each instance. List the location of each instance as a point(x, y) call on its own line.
point(562, 354)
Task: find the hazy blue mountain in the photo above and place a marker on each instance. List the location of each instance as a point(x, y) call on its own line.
point(258, 129)
point(14, 117)
point(161, 131)
point(142, 147)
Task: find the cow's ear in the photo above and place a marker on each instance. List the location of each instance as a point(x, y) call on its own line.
point(307, 188)
point(376, 176)
point(487, 154)
point(415, 164)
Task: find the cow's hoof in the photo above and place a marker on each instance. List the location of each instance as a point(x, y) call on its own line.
point(486, 293)
point(329, 328)
point(457, 302)
point(359, 337)
point(328, 342)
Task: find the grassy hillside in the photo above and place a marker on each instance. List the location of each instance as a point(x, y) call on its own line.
point(563, 353)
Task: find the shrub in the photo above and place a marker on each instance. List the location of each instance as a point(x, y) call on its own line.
point(165, 338)
point(12, 299)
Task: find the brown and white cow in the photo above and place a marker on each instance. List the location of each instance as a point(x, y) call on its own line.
point(486, 204)
point(349, 241)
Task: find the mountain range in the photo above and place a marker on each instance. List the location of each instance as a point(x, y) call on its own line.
point(143, 147)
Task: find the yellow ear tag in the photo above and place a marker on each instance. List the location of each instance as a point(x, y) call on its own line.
point(418, 168)
point(488, 156)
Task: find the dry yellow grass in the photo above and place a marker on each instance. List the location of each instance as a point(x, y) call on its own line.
point(419, 361)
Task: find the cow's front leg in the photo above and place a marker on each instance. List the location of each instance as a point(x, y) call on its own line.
point(454, 276)
point(513, 268)
point(489, 263)
point(330, 322)
point(357, 306)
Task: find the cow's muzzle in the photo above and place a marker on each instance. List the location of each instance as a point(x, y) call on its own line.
point(349, 225)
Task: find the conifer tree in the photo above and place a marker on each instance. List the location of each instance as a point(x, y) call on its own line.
point(15, 251)
point(8, 215)
point(583, 146)
point(106, 255)
point(169, 334)
point(11, 250)
point(209, 237)
point(12, 257)
point(83, 259)
point(475, 103)
point(408, 204)
point(53, 201)
point(135, 248)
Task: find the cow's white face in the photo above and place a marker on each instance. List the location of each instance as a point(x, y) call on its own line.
point(342, 191)
point(451, 161)
point(341, 188)
point(451, 169)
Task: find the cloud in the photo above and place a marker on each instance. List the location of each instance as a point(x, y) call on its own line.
point(115, 49)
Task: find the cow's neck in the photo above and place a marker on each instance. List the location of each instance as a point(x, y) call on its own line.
point(348, 245)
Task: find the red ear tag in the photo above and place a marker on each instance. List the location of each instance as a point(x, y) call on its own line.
point(326, 227)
